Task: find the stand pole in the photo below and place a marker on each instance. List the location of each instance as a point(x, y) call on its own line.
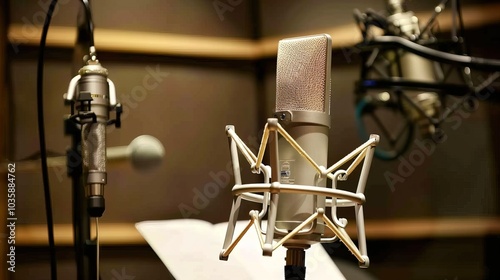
point(84, 247)
point(295, 268)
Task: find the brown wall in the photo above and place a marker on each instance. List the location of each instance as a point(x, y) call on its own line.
point(198, 17)
point(287, 17)
point(187, 112)
point(4, 130)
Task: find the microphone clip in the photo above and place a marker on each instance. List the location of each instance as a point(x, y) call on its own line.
point(118, 112)
point(85, 113)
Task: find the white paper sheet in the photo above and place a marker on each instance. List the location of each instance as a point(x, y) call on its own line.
point(190, 250)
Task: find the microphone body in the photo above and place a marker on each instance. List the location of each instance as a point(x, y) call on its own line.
point(94, 138)
point(93, 96)
point(413, 67)
point(303, 109)
point(294, 193)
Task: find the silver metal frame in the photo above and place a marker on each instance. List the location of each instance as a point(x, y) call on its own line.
point(269, 240)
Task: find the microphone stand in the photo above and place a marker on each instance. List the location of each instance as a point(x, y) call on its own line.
point(295, 268)
point(85, 248)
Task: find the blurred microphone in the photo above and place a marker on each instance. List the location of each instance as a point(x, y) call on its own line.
point(303, 109)
point(405, 24)
point(144, 152)
point(94, 95)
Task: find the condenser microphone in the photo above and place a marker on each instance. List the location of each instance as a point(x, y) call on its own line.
point(420, 105)
point(94, 96)
point(294, 193)
point(303, 109)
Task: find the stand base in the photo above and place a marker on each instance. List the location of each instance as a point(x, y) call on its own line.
point(294, 272)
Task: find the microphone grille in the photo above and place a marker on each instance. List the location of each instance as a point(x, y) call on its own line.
point(94, 146)
point(303, 74)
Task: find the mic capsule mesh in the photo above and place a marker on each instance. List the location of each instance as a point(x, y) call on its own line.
point(94, 146)
point(301, 74)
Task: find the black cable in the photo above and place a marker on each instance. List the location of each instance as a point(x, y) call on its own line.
point(462, 60)
point(462, 28)
point(90, 24)
point(41, 134)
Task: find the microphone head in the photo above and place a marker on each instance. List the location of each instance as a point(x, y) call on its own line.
point(303, 74)
point(145, 152)
point(396, 6)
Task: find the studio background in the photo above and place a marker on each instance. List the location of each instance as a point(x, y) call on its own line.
point(193, 97)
